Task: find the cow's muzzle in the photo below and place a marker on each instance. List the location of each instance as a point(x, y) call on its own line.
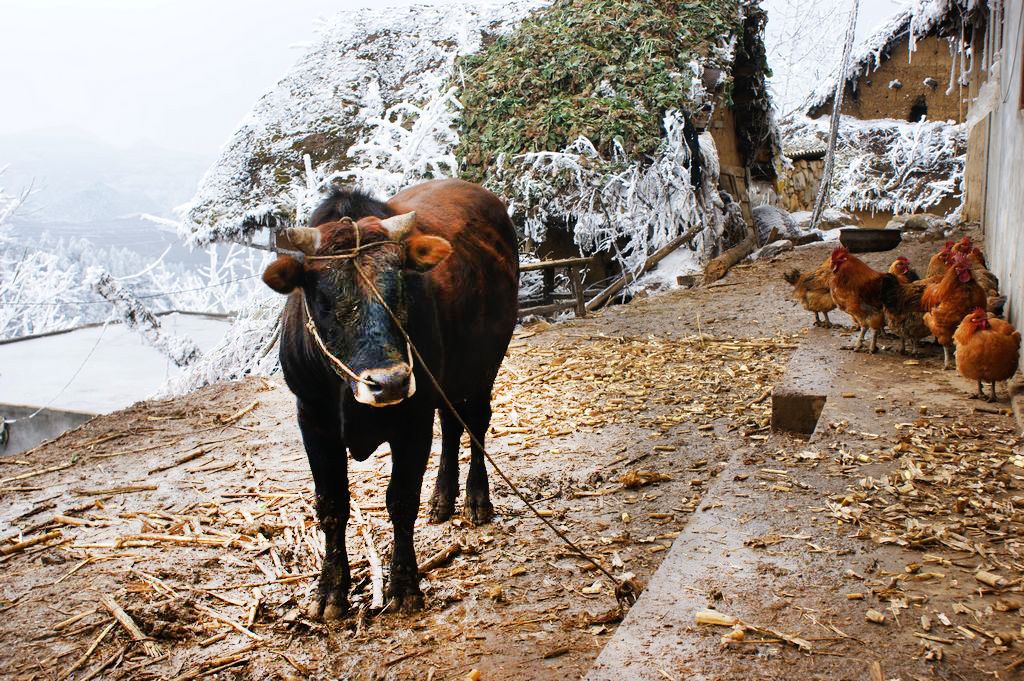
point(385, 386)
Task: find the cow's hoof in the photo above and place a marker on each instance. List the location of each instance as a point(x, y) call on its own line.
point(335, 611)
point(405, 596)
point(407, 603)
point(441, 509)
point(479, 511)
point(328, 609)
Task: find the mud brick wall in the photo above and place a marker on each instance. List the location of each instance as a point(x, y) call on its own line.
point(873, 98)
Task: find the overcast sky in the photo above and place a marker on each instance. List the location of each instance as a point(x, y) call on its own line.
point(178, 73)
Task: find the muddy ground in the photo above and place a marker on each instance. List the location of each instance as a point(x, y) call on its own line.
point(194, 514)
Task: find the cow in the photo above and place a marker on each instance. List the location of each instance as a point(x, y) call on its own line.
point(443, 256)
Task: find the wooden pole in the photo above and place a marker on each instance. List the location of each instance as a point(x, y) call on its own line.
point(549, 285)
point(576, 286)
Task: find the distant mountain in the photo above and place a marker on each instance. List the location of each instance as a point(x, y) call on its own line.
point(81, 178)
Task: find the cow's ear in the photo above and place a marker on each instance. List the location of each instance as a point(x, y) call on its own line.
point(284, 274)
point(424, 252)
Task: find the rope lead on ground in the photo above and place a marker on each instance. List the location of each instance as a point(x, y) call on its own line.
point(626, 590)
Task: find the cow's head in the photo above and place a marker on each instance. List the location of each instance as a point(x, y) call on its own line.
point(354, 324)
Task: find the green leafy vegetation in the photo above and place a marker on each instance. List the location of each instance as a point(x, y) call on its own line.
point(604, 69)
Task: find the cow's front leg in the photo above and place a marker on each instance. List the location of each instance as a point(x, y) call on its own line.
point(409, 455)
point(446, 488)
point(321, 434)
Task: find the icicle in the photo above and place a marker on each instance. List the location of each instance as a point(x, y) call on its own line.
point(952, 70)
point(964, 70)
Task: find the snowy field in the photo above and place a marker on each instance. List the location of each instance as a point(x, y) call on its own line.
point(120, 371)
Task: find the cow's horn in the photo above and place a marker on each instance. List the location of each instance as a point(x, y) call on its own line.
point(306, 239)
point(398, 225)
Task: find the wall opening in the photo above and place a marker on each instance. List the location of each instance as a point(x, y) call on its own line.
point(918, 110)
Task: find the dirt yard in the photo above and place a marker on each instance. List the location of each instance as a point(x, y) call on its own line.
point(193, 515)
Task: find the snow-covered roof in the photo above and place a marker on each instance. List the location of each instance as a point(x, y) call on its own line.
point(917, 20)
point(804, 149)
point(97, 369)
point(888, 165)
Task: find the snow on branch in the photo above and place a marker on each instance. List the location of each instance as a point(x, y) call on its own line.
point(249, 348)
point(892, 166)
point(408, 144)
point(181, 351)
point(628, 207)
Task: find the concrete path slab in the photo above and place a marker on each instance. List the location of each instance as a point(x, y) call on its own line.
point(659, 637)
point(772, 544)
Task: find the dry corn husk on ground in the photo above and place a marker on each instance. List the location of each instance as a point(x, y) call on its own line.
point(190, 520)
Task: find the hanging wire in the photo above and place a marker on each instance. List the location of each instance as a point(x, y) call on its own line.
point(833, 133)
point(144, 296)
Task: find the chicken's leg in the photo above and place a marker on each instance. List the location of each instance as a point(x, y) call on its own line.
point(903, 345)
point(994, 398)
point(860, 339)
point(817, 321)
point(981, 392)
point(828, 322)
point(945, 357)
point(874, 340)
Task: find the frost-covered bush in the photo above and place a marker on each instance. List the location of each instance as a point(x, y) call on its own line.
point(370, 102)
point(892, 166)
point(43, 283)
point(408, 144)
point(614, 204)
point(247, 349)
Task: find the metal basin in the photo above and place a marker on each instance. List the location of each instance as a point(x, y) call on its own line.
point(860, 240)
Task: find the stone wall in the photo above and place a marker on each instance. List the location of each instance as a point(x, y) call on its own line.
point(800, 184)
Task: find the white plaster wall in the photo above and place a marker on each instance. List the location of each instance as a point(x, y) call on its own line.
point(1004, 205)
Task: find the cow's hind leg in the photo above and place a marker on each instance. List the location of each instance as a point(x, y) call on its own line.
point(446, 489)
point(478, 509)
point(409, 455)
point(321, 434)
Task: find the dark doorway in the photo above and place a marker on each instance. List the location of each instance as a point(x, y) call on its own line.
point(918, 110)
